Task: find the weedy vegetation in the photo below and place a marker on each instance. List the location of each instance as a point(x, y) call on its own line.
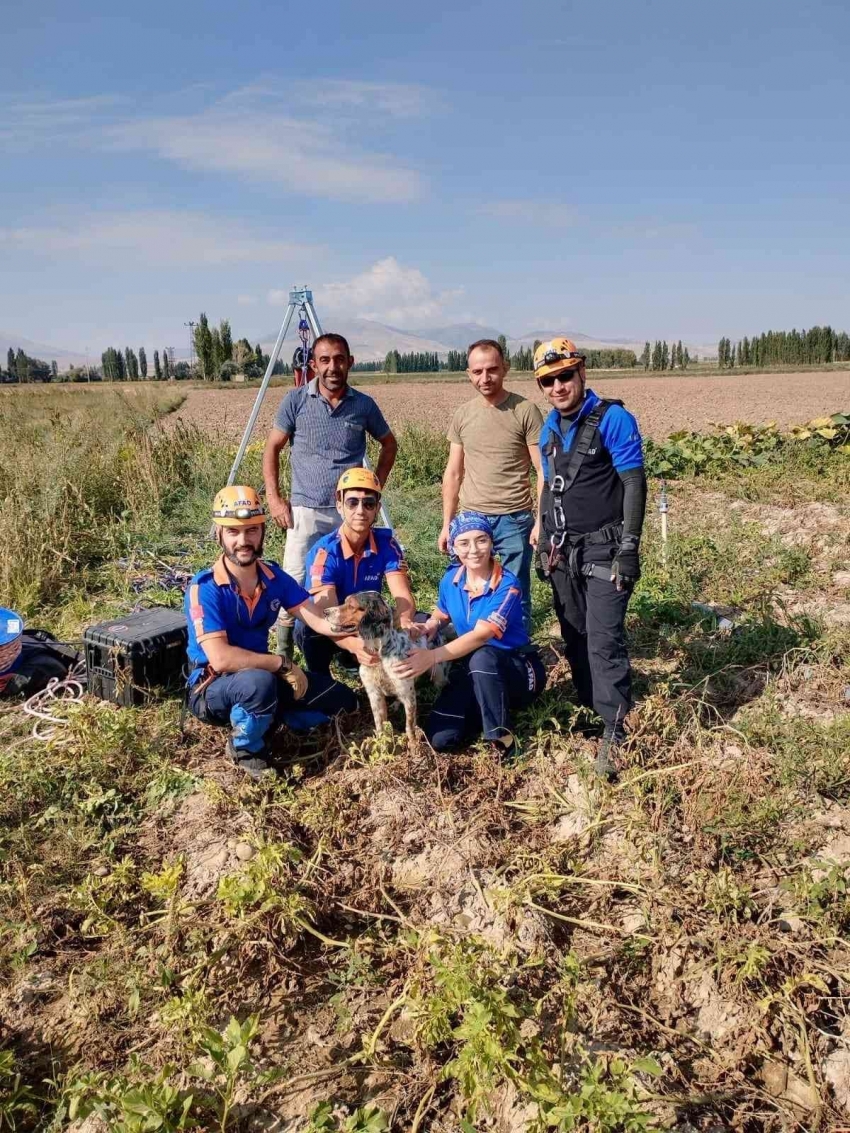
point(385, 939)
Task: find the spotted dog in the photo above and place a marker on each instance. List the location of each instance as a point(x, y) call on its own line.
point(368, 614)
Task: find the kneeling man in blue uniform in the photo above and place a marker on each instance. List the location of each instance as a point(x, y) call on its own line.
point(357, 556)
point(230, 610)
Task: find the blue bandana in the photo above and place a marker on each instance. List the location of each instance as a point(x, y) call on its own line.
point(468, 521)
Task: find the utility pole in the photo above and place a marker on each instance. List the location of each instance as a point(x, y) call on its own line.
point(191, 326)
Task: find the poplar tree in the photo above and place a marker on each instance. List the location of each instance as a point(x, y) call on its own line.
point(665, 355)
point(157, 369)
point(646, 356)
point(204, 346)
point(217, 358)
point(10, 362)
point(143, 362)
point(166, 366)
point(226, 339)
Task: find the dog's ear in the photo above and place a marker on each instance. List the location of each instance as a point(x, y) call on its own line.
point(376, 618)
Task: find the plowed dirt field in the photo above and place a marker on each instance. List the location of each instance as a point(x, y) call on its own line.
point(662, 405)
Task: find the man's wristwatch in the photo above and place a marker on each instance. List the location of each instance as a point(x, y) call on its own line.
point(285, 664)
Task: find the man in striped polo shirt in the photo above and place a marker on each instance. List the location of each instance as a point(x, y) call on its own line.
point(326, 423)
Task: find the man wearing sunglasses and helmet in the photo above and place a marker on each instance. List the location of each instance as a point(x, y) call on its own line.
point(354, 558)
point(592, 502)
point(231, 608)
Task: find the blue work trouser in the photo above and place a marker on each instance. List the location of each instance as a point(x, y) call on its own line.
point(254, 701)
point(482, 690)
point(510, 542)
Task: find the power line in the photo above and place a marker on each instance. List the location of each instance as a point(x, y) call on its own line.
point(191, 326)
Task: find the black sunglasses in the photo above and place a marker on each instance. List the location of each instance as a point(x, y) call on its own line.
point(368, 503)
point(564, 376)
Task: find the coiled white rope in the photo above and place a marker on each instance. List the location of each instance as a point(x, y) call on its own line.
point(42, 705)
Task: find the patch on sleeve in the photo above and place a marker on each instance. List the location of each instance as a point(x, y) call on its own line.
point(317, 570)
point(499, 618)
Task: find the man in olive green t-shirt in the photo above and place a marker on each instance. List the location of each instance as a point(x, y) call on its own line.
point(493, 444)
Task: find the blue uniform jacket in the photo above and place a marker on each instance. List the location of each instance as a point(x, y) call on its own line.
point(332, 562)
point(216, 607)
point(500, 605)
point(618, 429)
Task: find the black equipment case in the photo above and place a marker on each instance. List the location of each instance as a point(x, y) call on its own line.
point(127, 658)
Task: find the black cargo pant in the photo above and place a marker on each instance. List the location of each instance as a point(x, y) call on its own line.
point(592, 614)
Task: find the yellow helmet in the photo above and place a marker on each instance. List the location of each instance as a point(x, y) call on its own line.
point(556, 355)
point(363, 478)
point(237, 505)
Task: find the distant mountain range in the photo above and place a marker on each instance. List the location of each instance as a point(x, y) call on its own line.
point(63, 358)
point(370, 342)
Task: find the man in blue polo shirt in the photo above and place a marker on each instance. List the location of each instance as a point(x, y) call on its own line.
point(592, 502)
point(326, 423)
point(230, 610)
point(355, 557)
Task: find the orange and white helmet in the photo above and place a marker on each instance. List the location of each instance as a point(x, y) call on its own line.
point(363, 478)
point(238, 505)
point(555, 356)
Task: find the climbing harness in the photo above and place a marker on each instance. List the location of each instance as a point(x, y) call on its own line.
point(561, 545)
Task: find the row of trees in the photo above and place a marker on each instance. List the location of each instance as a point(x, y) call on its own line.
point(664, 356)
point(815, 347)
point(522, 359)
point(21, 367)
point(219, 357)
point(412, 362)
point(128, 366)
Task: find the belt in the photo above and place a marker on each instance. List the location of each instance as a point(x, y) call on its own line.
point(210, 675)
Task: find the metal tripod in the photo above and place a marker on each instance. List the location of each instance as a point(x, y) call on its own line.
point(300, 298)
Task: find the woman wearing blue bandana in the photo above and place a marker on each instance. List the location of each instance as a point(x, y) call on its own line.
point(495, 667)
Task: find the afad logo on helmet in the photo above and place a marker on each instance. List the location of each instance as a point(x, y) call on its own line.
point(238, 505)
point(556, 356)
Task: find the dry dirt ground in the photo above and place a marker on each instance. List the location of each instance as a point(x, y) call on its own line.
point(662, 405)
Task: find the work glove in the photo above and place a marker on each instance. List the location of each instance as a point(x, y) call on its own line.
point(626, 564)
point(295, 677)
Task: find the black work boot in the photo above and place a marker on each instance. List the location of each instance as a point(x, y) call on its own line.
point(506, 748)
point(605, 764)
point(251, 762)
point(285, 643)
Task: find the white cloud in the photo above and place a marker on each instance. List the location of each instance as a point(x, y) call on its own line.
point(29, 124)
point(387, 292)
point(546, 214)
point(250, 133)
point(156, 237)
point(397, 100)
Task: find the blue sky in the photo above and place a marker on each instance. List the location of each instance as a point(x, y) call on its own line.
point(617, 169)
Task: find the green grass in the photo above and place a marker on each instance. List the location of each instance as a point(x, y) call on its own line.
point(508, 978)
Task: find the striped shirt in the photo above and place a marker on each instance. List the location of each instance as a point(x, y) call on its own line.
point(326, 441)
